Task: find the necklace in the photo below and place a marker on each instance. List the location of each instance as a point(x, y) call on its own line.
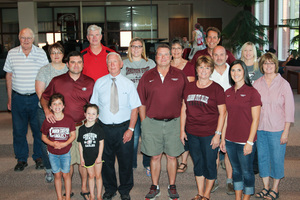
point(91, 127)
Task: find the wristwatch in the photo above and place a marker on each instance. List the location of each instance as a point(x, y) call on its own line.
point(218, 132)
point(132, 129)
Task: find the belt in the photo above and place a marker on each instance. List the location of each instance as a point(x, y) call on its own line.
point(24, 94)
point(164, 120)
point(80, 123)
point(116, 125)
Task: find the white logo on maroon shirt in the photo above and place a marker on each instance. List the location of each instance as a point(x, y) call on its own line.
point(59, 133)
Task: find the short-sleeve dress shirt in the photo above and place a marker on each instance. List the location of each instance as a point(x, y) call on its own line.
point(127, 94)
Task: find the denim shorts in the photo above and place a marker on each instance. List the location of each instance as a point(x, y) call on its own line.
point(270, 154)
point(60, 163)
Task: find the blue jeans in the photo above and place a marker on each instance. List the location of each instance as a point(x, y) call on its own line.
point(203, 156)
point(270, 154)
point(137, 134)
point(24, 109)
point(60, 163)
point(41, 118)
point(242, 167)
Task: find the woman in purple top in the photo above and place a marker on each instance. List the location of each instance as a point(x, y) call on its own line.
point(202, 118)
point(189, 70)
point(239, 133)
point(277, 114)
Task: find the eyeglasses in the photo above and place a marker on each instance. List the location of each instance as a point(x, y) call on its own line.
point(26, 38)
point(56, 53)
point(176, 48)
point(271, 63)
point(136, 47)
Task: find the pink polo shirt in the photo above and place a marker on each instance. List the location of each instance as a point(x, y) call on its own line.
point(278, 106)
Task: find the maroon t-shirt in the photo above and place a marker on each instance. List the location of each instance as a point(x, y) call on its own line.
point(77, 93)
point(238, 105)
point(59, 131)
point(204, 52)
point(202, 108)
point(163, 100)
point(189, 69)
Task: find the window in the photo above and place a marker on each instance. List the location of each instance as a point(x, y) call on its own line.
point(10, 29)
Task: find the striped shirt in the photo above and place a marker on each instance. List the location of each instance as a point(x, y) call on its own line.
point(24, 69)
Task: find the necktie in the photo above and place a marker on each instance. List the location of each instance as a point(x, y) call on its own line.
point(114, 99)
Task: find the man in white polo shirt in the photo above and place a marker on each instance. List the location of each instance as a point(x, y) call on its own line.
point(22, 65)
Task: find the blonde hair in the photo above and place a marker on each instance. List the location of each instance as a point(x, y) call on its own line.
point(129, 55)
point(255, 61)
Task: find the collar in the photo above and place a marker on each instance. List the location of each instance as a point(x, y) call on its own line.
point(33, 49)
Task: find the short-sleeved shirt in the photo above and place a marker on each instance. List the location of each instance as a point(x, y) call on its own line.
point(127, 95)
point(189, 69)
point(48, 72)
point(24, 69)
point(278, 104)
point(254, 74)
point(163, 100)
point(238, 105)
point(89, 138)
point(202, 108)
point(59, 131)
point(76, 93)
point(134, 70)
point(95, 65)
point(223, 79)
point(204, 52)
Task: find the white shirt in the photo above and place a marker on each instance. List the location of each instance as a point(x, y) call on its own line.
point(223, 79)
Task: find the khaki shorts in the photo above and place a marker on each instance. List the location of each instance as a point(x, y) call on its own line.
point(161, 137)
point(75, 156)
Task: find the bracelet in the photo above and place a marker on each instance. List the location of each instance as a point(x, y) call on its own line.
point(132, 129)
point(218, 132)
point(251, 143)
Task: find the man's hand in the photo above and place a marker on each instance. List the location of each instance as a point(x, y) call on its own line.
point(127, 136)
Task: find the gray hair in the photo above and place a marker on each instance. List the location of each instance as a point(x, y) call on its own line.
point(113, 53)
point(94, 27)
point(28, 29)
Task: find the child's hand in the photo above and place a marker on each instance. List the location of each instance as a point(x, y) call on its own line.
point(82, 163)
point(98, 160)
point(56, 145)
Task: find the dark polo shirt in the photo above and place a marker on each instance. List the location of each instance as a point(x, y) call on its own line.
point(238, 105)
point(76, 93)
point(163, 100)
point(95, 65)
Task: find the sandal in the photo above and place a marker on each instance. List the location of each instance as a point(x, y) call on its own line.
point(205, 198)
point(84, 194)
point(148, 172)
point(72, 194)
point(271, 197)
point(181, 169)
point(262, 194)
point(197, 197)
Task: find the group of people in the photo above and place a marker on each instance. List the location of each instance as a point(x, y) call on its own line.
point(95, 107)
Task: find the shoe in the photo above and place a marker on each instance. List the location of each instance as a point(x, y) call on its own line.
point(148, 172)
point(215, 186)
point(181, 168)
point(125, 197)
point(197, 197)
point(20, 166)
point(173, 192)
point(49, 178)
point(272, 195)
point(153, 193)
point(39, 163)
point(262, 194)
point(229, 189)
point(108, 196)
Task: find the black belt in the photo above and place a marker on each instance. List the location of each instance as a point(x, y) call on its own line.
point(24, 94)
point(116, 125)
point(164, 120)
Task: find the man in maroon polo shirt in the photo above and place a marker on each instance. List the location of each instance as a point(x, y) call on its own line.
point(213, 37)
point(94, 56)
point(77, 89)
point(161, 93)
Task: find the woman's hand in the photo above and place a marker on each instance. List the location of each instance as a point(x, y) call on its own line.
point(215, 141)
point(183, 137)
point(284, 137)
point(222, 146)
point(247, 149)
